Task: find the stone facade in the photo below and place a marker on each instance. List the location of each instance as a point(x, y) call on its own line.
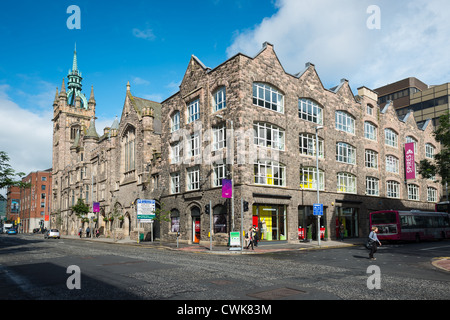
point(185, 146)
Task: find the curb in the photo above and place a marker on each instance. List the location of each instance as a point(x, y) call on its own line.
point(442, 263)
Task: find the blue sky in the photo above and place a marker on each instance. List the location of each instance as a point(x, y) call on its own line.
point(149, 43)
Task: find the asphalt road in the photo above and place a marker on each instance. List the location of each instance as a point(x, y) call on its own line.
point(32, 268)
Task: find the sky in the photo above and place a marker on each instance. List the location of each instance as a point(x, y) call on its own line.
point(149, 43)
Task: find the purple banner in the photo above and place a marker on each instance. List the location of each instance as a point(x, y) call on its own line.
point(227, 189)
point(96, 207)
point(410, 165)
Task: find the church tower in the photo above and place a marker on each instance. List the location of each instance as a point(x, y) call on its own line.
point(72, 114)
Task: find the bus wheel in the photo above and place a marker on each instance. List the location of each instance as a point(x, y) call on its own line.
point(417, 238)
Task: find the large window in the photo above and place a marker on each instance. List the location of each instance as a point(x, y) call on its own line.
point(390, 138)
point(174, 220)
point(371, 159)
point(128, 143)
point(219, 173)
point(220, 219)
point(393, 189)
point(346, 182)
point(219, 99)
point(268, 97)
point(194, 145)
point(372, 186)
point(410, 139)
point(310, 111)
point(175, 153)
point(429, 151)
point(193, 111)
point(175, 121)
point(219, 137)
point(413, 192)
point(431, 194)
point(345, 153)
point(370, 131)
point(392, 164)
point(345, 122)
point(270, 173)
point(193, 178)
point(307, 145)
point(308, 178)
point(267, 135)
point(175, 183)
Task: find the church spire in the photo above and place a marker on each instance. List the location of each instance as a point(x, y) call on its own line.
point(75, 62)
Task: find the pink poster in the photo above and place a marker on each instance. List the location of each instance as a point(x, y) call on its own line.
point(227, 189)
point(410, 166)
point(96, 207)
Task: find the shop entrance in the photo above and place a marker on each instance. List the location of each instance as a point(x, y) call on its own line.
point(349, 218)
point(306, 220)
point(271, 221)
point(196, 225)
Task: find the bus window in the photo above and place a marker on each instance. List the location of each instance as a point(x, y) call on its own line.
point(384, 218)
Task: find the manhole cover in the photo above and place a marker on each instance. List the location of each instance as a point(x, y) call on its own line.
point(275, 294)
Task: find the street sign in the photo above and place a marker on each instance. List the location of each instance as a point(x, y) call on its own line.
point(318, 209)
point(146, 210)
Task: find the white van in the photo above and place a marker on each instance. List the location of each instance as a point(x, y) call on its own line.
point(6, 227)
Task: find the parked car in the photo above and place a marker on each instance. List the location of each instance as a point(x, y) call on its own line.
point(52, 233)
point(11, 231)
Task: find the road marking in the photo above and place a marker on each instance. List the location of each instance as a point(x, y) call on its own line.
point(435, 248)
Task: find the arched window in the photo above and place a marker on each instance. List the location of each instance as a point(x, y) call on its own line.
point(268, 97)
point(310, 111)
point(220, 219)
point(345, 122)
point(346, 182)
point(128, 149)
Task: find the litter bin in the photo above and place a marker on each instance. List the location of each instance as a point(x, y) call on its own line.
point(141, 237)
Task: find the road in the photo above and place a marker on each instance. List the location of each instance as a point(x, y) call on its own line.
point(32, 268)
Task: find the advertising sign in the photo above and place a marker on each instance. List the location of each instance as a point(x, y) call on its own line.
point(410, 166)
point(235, 239)
point(96, 207)
point(227, 189)
point(146, 210)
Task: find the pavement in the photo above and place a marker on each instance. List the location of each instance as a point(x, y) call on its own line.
point(442, 263)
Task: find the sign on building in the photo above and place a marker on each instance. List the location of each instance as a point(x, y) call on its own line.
point(146, 210)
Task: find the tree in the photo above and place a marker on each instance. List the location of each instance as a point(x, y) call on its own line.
point(441, 164)
point(80, 208)
point(8, 174)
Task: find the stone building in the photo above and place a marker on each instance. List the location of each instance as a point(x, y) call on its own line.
point(249, 123)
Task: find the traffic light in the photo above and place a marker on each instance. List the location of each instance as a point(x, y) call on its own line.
point(245, 206)
point(207, 209)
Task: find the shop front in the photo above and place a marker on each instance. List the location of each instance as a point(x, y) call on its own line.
point(308, 221)
point(349, 218)
point(196, 224)
point(271, 221)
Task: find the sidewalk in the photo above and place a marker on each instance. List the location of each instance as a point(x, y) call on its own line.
point(263, 247)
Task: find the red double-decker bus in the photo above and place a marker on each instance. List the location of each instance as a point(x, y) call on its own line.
point(443, 206)
point(414, 225)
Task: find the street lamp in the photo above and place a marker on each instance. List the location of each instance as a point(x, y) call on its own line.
point(230, 149)
point(317, 180)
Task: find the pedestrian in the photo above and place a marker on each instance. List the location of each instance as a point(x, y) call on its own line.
point(250, 238)
point(341, 231)
point(97, 233)
point(80, 232)
point(88, 230)
point(374, 240)
point(255, 236)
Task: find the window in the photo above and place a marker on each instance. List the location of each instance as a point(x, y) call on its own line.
point(219, 173)
point(308, 145)
point(429, 151)
point(310, 111)
point(370, 131)
point(369, 110)
point(345, 122)
point(129, 149)
point(267, 97)
point(220, 219)
point(174, 220)
point(391, 164)
point(73, 132)
point(372, 186)
point(219, 99)
point(371, 159)
point(193, 178)
point(267, 135)
point(431, 194)
point(413, 192)
point(175, 122)
point(43, 178)
point(345, 153)
point(308, 178)
point(390, 138)
point(270, 173)
point(175, 182)
point(410, 139)
point(193, 111)
point(393, 189)
point(175, 153)
point(346, 182)
point(219, 137)
point(194, 145)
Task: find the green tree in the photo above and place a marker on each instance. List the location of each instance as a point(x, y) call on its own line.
point(441, 164)
point(80, 208)
point(8, 175)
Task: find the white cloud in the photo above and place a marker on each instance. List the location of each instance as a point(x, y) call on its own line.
point(25, 136)
point(334, 36)
point(146, 34)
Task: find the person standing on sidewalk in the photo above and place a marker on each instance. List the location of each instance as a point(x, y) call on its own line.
point(250, 238)
point(80, 232)
point(375, 242)
point(88, 230)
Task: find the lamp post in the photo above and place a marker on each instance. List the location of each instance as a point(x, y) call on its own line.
point(317, 180)
point(230, 150)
